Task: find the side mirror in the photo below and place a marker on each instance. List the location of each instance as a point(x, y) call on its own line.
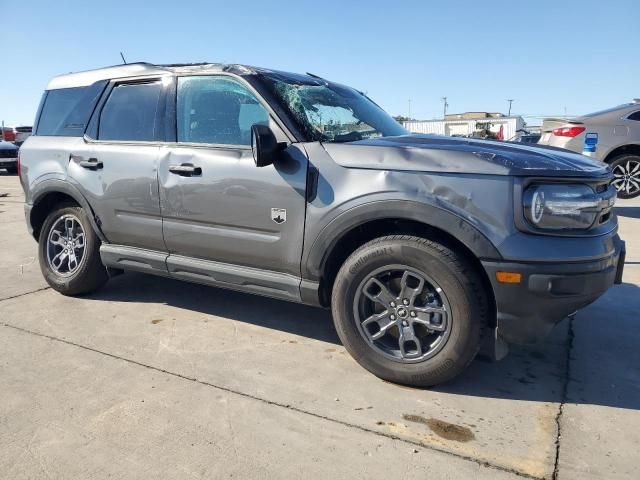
point(264, 145)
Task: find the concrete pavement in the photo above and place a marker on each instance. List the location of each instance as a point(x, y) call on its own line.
point(157, 378)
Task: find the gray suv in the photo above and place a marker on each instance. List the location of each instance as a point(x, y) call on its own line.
point(298, 188)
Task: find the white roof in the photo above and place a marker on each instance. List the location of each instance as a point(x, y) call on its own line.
point(82, 79)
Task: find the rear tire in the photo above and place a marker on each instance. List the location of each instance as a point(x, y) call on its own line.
point(626, 170)
point(449, 285)
point(69, 252)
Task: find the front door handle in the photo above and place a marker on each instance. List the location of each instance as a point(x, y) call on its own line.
point(185, 170)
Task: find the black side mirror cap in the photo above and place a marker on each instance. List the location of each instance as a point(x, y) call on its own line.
point(264, 145)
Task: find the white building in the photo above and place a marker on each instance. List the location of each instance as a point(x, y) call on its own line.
point(466, 127)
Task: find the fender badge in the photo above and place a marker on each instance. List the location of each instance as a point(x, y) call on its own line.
point(279, 215)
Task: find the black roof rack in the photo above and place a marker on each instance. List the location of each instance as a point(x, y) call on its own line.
point(196, 64)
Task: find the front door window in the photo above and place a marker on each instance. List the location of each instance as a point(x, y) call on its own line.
point(217, 110)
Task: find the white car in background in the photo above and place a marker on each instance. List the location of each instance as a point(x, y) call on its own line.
point(611, 136)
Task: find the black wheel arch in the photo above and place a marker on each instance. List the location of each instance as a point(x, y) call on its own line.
point(348, 231)
point(50, 193)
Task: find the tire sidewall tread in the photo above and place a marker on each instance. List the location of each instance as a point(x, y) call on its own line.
point(91, 274)
point(453, 275)
point(619, 160)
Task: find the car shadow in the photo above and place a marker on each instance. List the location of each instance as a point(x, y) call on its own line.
point(266, 312)
point(578, 363)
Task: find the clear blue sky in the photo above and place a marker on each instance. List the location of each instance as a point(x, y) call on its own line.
point(548, 55)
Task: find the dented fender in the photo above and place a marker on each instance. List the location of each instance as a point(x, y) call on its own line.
point(430, 215)
point(475, 209)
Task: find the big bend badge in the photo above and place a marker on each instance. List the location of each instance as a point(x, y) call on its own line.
point(279, 215)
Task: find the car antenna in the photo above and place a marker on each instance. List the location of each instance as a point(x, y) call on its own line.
point(123, 60)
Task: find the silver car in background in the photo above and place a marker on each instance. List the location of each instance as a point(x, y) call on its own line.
point(611, 136)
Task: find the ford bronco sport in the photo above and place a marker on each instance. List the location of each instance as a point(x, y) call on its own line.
point(298, 188)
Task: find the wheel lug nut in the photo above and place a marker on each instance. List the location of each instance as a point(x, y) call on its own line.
point(405, 301)
point(392, 317)
point(413, 314)
point(405, 324)
point(392, 304)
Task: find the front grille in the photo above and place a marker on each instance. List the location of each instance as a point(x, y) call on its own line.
point(7, 153)
point(24, 129)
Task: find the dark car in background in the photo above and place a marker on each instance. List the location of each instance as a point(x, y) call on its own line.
point(525, 136)
point(9, 157)
point(529, 138)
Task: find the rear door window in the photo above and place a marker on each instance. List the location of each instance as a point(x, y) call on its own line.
point(131, 113)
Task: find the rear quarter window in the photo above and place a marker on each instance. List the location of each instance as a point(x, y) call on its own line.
point(66, 111)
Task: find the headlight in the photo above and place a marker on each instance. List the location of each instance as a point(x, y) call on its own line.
point(561, 207)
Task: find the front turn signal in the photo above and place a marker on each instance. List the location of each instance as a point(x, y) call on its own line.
point(509, 277)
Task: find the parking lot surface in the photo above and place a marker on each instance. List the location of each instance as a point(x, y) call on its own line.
point(156, 378)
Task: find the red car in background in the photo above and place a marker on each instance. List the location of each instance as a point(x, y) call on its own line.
point(16, 135)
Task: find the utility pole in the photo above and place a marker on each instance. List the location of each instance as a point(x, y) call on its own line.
point(510, 102)
point(444, 101)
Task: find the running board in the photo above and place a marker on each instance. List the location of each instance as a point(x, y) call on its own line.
point(135, 259)
point(217, 274)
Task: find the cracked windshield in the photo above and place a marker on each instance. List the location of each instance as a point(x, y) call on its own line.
point(333, 113)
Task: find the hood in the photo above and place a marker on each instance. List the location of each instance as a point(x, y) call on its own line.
point(7, 146)
point(430, 153)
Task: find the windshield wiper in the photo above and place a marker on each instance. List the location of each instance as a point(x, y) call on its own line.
point(347, 137)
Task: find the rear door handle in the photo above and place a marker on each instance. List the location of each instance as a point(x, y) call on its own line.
point(91, 164)
point(185, 170)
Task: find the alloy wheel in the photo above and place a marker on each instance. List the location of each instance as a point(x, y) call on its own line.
point(627, 177)
point(402, 313)
point(65, 245)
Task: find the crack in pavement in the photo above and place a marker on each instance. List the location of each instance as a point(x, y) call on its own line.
point(274, 403)
point(24, 294)
point(563, 399)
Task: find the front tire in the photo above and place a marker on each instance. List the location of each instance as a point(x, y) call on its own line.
point(409, 310)
point(69, 252)
point(626, 170)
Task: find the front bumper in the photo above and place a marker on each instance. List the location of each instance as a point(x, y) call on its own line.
point(8, 162)
point(549, 292)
